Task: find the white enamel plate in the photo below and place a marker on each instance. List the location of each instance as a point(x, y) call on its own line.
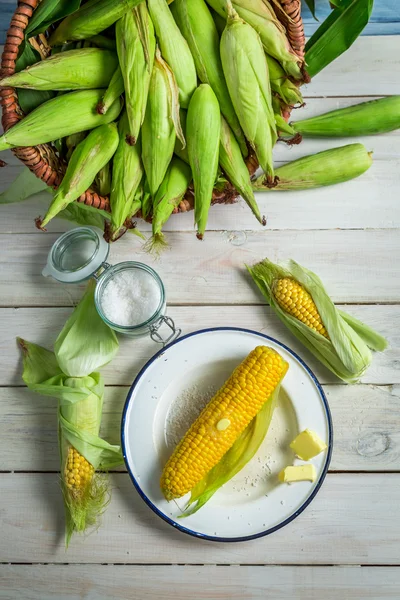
point(167, 396)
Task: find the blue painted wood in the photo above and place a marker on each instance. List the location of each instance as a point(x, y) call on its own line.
point(385, 18)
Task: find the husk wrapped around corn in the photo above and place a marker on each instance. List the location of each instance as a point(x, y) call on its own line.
point(103, 180)
point(338, 340)
point(281, 84)
point(114, 90)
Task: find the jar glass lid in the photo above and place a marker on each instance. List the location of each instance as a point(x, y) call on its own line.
point(77, 255)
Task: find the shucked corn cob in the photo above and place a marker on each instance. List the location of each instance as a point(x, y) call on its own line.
point(222, 421)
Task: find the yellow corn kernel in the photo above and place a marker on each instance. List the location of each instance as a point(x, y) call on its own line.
point(295, 300)
point(78, 471)
point(238, 401)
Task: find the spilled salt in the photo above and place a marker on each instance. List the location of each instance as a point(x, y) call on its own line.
point(130, 297)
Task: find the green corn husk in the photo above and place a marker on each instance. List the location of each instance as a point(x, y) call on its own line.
point(113, 92)
point(161, 123)
point(237, 457)
point(88, 158)
point(136, 47)
point(367, 118)
point(85, 341)
point(174, 49)
point(231, 161)
point(324, 168)
point(281, 85)
point(103, 180)
point(101, 41)
point(92, 18)
point(87, 68)
point(127, 175)
point(247, 77)
point(347, 351)
point(59, 117)
point(71, 142)
point(179, 150)
point(198, 28)
point(168, 197)
point(203, 126)
point(260, 15)
point(147, 200)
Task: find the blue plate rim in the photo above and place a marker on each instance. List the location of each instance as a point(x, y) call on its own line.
point(204, 536)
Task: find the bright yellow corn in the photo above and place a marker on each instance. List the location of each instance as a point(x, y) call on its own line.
point(78, 472)
point(295, 300)
point(223, 420)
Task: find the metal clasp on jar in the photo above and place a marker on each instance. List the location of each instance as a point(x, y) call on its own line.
point(155, 335)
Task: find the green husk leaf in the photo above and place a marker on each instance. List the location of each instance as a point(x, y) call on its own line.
point(48, 12)
point(372, 338)
point(85, 343)
point(237, 457)
point(337, 33)
point(311, 6)
point(30, 99)
point(23, 187)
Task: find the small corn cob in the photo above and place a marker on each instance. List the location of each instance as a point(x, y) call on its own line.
point(221, 422)
point(367, 118)
point(103, 180)
point(260, 15)
point(246, 73)
point(324, 168)
point(231, 161)
point(91, 155)
point(203, 126)
point(281, 84)
point(127, 174)
point(91, 18)
point(136, 47)
point(198, 28)
point(174, 49)
point(168, 197)
point(113, 92)
point(78, 472)
point(341, 342)
point(87, 68)
point(59, 117)
point(161, 123)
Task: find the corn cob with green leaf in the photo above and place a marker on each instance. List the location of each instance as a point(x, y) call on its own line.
point(203, 125)
point(161, 123)
point(324, 168)
point(281, 84)
point(114, 90)
point(59, 117)
point(367, 118)
point(127, 175)
point(136, 47)
point(298, 297)
point(246, 73)
point(198, 28)
point(91, 18)
point(88, 158)
point(88, 68)
point(174, 49)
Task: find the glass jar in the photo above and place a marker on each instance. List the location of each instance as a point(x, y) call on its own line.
point(81, 254)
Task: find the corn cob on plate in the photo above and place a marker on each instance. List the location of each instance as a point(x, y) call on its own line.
point(164, 403)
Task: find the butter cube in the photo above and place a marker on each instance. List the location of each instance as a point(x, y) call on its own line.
point(307, 445)
point(298, 473)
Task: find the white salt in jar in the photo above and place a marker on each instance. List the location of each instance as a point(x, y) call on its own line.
point(129, 296)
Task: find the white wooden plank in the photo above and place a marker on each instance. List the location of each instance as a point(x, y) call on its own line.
point(353, 520)
point(356, 266)
point(178, 582)
point(370, 67)
point(367, 436)
point(43, 326)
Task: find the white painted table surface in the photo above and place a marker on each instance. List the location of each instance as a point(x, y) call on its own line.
point(346, 544)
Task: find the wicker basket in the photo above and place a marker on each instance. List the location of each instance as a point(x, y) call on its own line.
point(44, 160)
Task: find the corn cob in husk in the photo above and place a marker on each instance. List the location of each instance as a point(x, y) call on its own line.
point(167, 199)
point(91, 18)
point(71, 142)
point(246, 73)
point(59, 117)
point(203, 126)
point(102, 41)
point(223, 420)
point(88, 68)
point(198, 28)
point(324, 168)
point(367, 118)
point(298, 297)
point(281, 84)
point(260, 15)
point(103, 180)
point(161, 123)
point(114, 90)
point(179, 150)
point(174, 49)
point(91, 155)
point(136, 47)
point(127, 174)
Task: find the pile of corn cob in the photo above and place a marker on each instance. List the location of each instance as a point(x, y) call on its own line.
point(157, 101)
